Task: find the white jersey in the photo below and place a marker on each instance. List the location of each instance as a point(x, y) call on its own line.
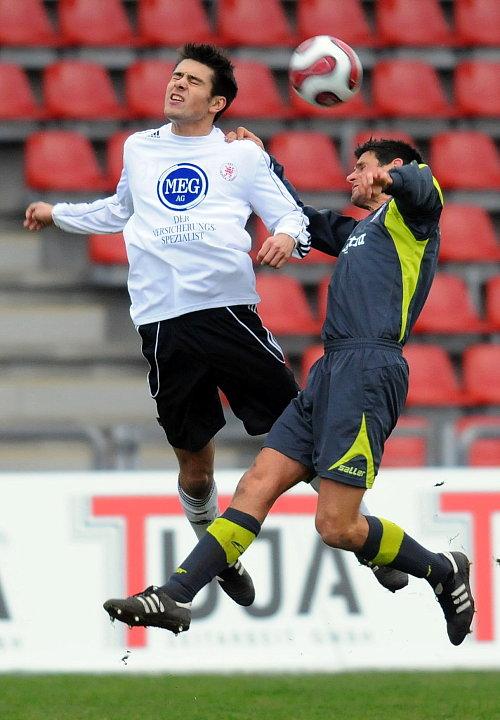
point(182, 203)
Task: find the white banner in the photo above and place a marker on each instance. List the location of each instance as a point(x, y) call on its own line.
point(70, 541)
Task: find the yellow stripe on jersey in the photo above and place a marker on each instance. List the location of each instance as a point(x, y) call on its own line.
point(410, 253)
point(435, 183)
point(390, 542)
point(361, 446)
point(232, 538)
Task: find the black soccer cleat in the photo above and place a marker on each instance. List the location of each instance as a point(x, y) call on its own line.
point(455, 597)
point(150, 608)
point(390, 578)
point(237, 583)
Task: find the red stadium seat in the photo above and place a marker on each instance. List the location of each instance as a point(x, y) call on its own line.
point(309, 357)
point(62, 160)
point(95, 23)
point(253, 22)
point(75, 90)
point(310, 160)
point(449, 308)
point(484, 452)
point(345, 20)
point(284, 308)
point(432, 378)
point(477, 88)
point(17, 100)
point(258, 94)
point(467, 235)
point(477, 22)
point(407, 22)
point(404, 452)
point(25, 22)
point(107, 249)
point(408, 88)
point(465, 160)
point(478, 438)
point(114, 155)
point(481, 369)
point(355, 108)
point(260, 233)
point(493, 303)
point(145, 85)
point(163, 22)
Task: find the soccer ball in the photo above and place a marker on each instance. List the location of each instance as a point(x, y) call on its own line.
point(325, 71)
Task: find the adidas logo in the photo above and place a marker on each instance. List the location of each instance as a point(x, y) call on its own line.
point(151, 603)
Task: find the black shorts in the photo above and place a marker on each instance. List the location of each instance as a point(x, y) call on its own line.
point(192, 356)
point(338, 425)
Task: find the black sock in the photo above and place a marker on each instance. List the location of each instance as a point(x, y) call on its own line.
point(388, 544)
point(223, 543)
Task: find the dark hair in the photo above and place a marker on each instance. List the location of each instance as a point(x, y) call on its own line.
point(224, 82)
point(386, 150)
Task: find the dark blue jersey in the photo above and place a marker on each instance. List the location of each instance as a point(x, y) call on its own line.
point(386, 262)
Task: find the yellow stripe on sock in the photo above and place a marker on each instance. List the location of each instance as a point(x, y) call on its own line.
point(392, 537)
point(233, 538)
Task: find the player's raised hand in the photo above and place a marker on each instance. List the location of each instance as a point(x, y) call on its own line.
point(241, 133)
point(369, 184)
point(276, 250)
point(38, 215)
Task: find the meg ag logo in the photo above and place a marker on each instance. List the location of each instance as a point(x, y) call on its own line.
point(182, 186)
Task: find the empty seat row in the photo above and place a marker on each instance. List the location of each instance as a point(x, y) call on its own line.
point(248, 22)
point(461, 160)
point(476, 442)
point(412, 88)
point(400, 88)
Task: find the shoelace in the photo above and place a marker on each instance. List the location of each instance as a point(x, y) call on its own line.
point(148, 591)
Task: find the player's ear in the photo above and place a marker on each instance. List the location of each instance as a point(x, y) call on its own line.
point(397, 162)
point(217, 104)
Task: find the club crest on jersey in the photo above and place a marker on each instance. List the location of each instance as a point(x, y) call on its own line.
point(228, 171)
point(182, 186)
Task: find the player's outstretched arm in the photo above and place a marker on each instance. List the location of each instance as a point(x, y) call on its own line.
point(38, 215)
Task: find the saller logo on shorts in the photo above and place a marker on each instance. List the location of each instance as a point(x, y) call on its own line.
point(350, 470)
point(182, 186)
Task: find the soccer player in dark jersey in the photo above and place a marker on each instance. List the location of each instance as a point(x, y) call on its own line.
point(336, 428)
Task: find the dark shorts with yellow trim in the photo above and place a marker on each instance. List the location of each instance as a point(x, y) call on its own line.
point(338, 424)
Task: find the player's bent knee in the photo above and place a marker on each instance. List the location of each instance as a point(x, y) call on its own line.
point(337, 534)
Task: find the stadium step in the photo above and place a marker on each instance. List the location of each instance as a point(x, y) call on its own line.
point(20, 255)
point(48, 324)
point(103, 396)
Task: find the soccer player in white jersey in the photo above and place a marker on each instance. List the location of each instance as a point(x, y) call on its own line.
point(182, 201)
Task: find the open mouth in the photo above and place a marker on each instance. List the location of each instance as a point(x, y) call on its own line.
point(175, 98)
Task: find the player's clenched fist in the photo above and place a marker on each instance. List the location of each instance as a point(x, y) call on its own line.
point(38, 215)
point(276, 250)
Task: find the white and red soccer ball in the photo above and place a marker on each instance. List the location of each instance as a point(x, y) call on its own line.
point(325, 71)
